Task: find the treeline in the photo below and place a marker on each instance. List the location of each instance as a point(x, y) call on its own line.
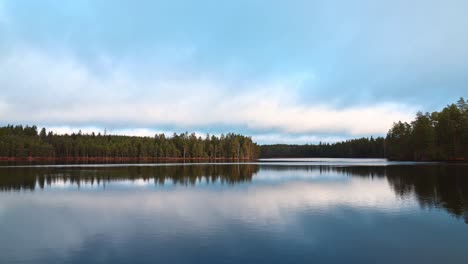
point(355, 148)
point(18, 142)
point(431, 136)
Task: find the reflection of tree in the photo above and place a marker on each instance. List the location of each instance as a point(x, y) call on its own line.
point(377, 171)
point(27, 178)
point(434, 186)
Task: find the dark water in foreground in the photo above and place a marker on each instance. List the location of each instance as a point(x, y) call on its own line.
point(333, 212)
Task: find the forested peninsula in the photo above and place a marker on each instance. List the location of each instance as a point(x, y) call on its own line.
point(27, 143)
point(436, 136)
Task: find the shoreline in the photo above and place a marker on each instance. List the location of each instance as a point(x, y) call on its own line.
point(114, 159)
point(181, 159)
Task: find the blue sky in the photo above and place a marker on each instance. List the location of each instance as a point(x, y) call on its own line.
point(280, 71)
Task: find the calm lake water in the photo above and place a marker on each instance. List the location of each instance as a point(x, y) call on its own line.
point(314, 211)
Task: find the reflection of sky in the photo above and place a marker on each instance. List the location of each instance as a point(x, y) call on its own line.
point(267, 175)
point(67, 220)
point(282, 215)
point(270, 173)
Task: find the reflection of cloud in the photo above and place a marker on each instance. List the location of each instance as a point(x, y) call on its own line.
point(268, 199)
point(68, 219)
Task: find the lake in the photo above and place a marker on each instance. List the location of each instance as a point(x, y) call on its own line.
point(272, 211)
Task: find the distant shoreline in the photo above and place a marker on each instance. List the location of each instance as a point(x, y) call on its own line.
point(181, 159)
point(114, 159)
point(298, 159)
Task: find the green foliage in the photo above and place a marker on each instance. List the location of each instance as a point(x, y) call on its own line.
point(438, 136)
point(356, 148)
point(22, 142)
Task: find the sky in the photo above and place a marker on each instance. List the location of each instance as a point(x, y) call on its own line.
point(279, 71)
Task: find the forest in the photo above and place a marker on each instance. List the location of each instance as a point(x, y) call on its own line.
point(354, 148)
point(431, 136)
point(18, 142)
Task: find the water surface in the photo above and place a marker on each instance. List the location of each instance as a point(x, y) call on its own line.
point(334, 211)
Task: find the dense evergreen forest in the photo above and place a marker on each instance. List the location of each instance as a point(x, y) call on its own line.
point(355, 148)
point(431, 136)
point(18, 142)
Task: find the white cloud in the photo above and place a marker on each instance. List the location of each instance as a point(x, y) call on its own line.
point(43, 89)
point(295, 139)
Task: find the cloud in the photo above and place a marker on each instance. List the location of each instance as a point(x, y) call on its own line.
point(61, 90)
point(296, 139)
point(330, 71)
point(385, 51)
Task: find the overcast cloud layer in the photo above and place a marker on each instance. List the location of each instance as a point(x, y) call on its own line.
point(286, 72)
